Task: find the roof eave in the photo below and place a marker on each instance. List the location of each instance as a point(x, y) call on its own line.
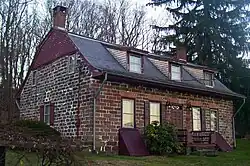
point(154, 83)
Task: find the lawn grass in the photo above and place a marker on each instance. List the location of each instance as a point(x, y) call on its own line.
point(239, 157)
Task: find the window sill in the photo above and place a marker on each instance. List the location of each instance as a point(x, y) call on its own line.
point(176, 80)
point(136, 72)
point(209, 86)
point(124, 127)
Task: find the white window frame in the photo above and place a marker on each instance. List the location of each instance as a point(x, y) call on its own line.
point(195, 125)
point(216, 120)
point(47, 114)
point(34, 78)
point(174, 72)
point(72, 61)
point(137, 64)
point(210, 82)
point(130, 112)
point(157, 106)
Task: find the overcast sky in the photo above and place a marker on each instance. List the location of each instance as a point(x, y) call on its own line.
point(153, 13)
point(158, 14)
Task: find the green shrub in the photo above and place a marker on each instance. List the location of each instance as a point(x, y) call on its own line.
point(37, 128)
point(161, 139)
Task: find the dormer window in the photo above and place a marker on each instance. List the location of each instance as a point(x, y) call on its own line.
point(135, 64)
point(175, 72)
point(209, 79)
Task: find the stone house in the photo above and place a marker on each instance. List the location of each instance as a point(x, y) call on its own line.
point(89, 89)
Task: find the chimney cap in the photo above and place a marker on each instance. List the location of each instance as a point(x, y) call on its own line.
point(60, 8)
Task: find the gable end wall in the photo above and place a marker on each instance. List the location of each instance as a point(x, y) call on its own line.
point(63, 89)
point(55, 45)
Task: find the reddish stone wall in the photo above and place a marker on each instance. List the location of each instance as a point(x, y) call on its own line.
point(56, 45)
point(63, 86)
point(108, 114)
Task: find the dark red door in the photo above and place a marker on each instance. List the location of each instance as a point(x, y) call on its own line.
point(176, 115)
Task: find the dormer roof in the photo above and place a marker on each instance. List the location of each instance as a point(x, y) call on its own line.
point(113, 59)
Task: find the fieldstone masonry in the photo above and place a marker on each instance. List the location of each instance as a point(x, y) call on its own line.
point(63, 90)
point(109, 109)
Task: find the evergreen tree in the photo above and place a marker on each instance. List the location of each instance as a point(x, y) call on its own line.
point(216, 34)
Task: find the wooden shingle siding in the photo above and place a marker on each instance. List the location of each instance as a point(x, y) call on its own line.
point(161, 65)
point(120, 56)
point(197, 73)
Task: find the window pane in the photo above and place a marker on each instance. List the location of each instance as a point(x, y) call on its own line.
point(196, 113)
point(155, 109)
point(47, 114)
point(175, 72)
point(154, 112)
point(196, 125)
point(154, 118)
point(128, 120)
point(46, 119)
point(206, 82)
point(213, 121)
point(208, 79)
point(134, 59)
point(47, 108)
point(196, 119)
point(128, 113)
point(175, 69)
point(213, 126)
point(208, 76)
point(135, 68)
point(176, 76)
point(135, 64)
point(128, 106)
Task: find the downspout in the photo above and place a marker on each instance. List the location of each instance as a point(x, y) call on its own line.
point(78, 122)
point(94, 113)
point(234, 137)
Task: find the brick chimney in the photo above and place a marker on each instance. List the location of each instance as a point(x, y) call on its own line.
point(59, 17)
point(181, 53)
